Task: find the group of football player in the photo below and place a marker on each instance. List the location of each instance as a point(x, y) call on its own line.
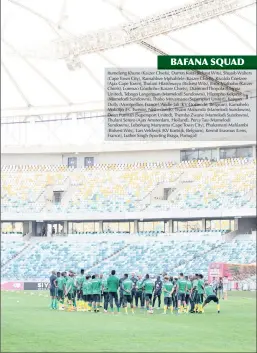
point(90, 293)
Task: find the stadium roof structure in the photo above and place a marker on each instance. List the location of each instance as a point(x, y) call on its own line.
point(54, 53)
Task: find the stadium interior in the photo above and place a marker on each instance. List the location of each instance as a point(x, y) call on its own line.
point(171, 214)
point(105, 215)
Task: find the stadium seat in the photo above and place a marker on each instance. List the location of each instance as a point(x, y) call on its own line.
point(149, 255)
point(124, 188)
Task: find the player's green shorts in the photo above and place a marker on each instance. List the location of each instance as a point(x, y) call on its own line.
point(199, 298)
point(168, 301)
point(87, 298)
point(211, 298)
point(71, 295)
point(148, 296)
point(127, 299)
point(60, 293)
point(181, 296)
point(96, 298)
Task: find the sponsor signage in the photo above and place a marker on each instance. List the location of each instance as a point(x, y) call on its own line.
point(12, 286)
point(36, 285)
point(42, 285)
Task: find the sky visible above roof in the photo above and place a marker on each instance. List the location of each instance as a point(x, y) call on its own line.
point(35, 82)
point(37, 85)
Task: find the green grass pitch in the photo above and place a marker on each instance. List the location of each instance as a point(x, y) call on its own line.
point(29, 325)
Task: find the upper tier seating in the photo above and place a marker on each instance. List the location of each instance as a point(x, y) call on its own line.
point(127, 188)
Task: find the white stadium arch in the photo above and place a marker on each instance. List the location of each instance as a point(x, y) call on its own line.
point(54, 55)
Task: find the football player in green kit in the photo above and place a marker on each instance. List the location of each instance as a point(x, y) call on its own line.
point(210, 294)
point(70, 291)
point(181, 286)
point(87, 296)
point(79, 283)
point(188, 293)
point(139, 292)
point(194, 295)
point(127, 286)
point(200, 291)
point(96, 292)
point(148, 289)
point(113, 285)
point(168, 289)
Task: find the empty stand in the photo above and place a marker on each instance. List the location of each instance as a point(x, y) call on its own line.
point(125, 254)
point(127, 188)
point(10, 249)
